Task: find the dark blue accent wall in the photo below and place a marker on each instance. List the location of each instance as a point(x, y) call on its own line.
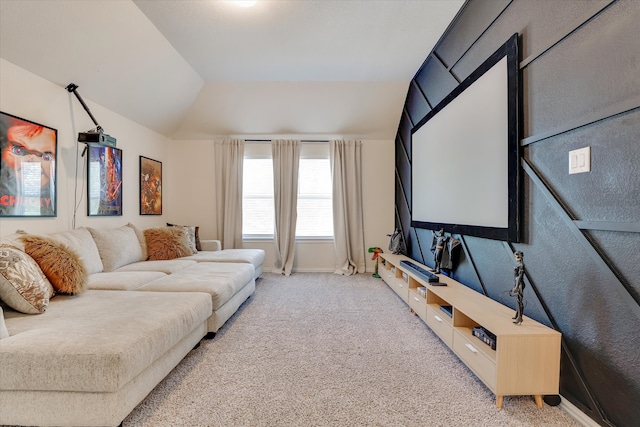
point(580, 68)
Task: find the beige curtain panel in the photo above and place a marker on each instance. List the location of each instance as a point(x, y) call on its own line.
point(348, 225)
point(229, 157)
point(286, 160)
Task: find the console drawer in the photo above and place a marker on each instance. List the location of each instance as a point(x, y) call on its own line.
point(418, 304)
point(476, 360)
point(440, 323)
point(402, 289)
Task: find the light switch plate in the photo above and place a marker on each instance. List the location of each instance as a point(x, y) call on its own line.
point(580, 160)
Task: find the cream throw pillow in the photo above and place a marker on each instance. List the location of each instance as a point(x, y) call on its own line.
point(117, 246)
point(23, 286)
point(81, 241)
point(143, 243)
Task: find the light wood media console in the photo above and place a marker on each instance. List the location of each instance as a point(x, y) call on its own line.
point(526, 360)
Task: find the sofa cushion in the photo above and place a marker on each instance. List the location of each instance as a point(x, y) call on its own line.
point(117, 246)
point(23, 286)
point(81, 241)
point(143, 243)
point(167, 243)
point(251, 256)
point(4, 333)
point(167, 266)
point(120, 335)
point(122, 280)
point(220, 280)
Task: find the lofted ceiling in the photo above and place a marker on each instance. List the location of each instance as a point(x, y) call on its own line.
point(202, 68)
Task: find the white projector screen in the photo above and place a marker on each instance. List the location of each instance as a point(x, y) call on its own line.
point(465, 158)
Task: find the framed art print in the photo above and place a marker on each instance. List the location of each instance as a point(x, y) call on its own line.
point(104, 181)
point(150, 186)
point(27, 168)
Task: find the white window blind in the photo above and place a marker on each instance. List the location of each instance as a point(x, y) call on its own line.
point(315, 218)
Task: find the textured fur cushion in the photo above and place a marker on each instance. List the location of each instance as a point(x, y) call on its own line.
point(193, 233)
point(23, 286)
point(167, 243)
point(60, 264)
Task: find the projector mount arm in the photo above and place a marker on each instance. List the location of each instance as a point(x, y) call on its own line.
point(93, 137)
point(71, 87)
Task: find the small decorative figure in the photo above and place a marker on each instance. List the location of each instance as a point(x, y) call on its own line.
point(438, 247)
point(375, 251)
point(518, 288)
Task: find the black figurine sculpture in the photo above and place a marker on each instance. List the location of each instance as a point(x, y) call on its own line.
point(443, 248)
point(518, 288)
point(439, 242)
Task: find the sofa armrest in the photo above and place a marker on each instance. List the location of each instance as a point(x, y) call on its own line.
point(210, 245)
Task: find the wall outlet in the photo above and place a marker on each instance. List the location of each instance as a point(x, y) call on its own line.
point(580, 160)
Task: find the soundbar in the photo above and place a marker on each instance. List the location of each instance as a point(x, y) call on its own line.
point(431, 278)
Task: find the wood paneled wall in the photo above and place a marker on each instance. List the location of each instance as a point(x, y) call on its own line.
point(580, 65)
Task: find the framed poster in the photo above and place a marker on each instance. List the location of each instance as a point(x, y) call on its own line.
point(27, 168)
point(150, 186)
point(104, 181)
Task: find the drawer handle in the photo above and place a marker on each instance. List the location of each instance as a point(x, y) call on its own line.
point(472, 348)
point(438, 318)
point(401, 285)
point(416, 299)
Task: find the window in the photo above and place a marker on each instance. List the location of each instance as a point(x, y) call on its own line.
point(315, 216)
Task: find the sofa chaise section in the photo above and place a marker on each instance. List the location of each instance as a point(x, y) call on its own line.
point(228, 285)
point(90, 359)
point(254, 257)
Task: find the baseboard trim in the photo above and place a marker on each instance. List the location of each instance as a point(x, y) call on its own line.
point(577, 414)
point(313, 270)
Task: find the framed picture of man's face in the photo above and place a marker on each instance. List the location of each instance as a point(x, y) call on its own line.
point(28, 153)
point(104, 181)
point(150, 186)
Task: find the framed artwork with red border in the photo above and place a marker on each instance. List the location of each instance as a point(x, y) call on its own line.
point(150, 186)
point(28, 171)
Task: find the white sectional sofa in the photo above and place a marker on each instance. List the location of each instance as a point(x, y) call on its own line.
point(89, 359)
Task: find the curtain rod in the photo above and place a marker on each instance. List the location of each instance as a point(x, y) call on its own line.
point(303, 140)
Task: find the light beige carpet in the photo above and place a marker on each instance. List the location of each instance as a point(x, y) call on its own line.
point(317, 349)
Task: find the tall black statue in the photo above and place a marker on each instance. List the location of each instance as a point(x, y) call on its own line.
point(440, 240)
point(443, 248)
point(518, 288)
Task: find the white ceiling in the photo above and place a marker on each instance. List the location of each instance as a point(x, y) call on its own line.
point(201, 68)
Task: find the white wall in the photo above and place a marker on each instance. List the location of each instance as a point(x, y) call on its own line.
point(188, 175)
point(30, 97)
point(191, 200)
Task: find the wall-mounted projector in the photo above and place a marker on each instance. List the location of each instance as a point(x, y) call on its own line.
point(96, 138)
